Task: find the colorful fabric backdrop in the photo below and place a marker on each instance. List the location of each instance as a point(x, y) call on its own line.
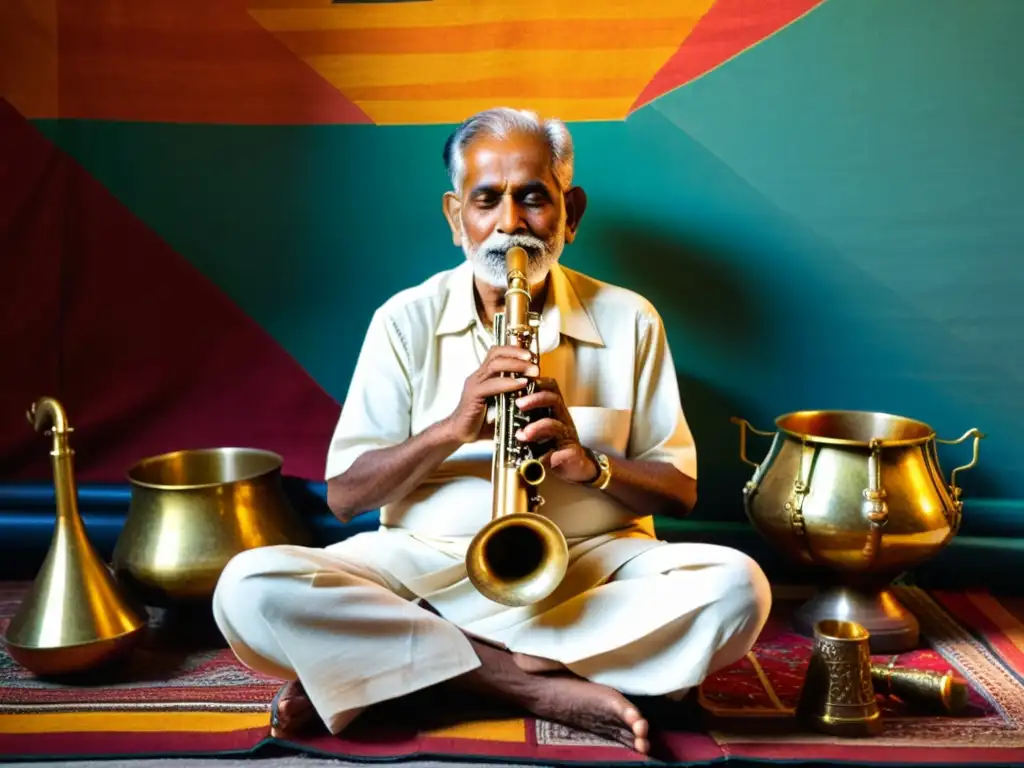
point(202, 202)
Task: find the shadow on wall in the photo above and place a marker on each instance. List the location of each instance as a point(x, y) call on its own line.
point(694, 285)
point(716, 322)
point(768, 325)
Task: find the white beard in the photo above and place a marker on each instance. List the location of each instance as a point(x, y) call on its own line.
point(488, 259)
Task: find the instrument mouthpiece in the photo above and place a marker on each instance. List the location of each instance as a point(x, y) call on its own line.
point(516, 260)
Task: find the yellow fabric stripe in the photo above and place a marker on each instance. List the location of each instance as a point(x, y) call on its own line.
point(768, 689)
point(114, 722)
point(402, 69)
point(512, 731)
point(587, 34)
point(433, 112)
point(499, 89)
point(280, 15)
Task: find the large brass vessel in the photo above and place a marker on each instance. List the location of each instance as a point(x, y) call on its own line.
point(191, 511)
point(860, 493)
point(520, 556)
point(75, 618)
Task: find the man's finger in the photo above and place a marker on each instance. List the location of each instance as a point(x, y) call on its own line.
point(541, 430)
point(509, 351)
point(509, 365)
point(492, 387)
point(545, 399)
point(557, 458)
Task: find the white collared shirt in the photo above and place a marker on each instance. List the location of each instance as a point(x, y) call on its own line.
point(604, 345)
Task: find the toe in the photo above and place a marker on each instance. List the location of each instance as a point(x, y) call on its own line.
point(284, 710)
point(635, 721)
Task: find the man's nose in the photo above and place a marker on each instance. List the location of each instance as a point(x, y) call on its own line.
point(510, 219)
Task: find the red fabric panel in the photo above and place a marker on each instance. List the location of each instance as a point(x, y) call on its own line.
point(727, 29)
point(32, 195)
point(154, 356)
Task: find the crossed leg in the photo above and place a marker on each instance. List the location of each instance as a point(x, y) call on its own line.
point(347, 637)
point(336, 638)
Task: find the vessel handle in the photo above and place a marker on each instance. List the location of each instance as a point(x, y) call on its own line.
point(978, 437)
point(744, 426)
point(876, 510)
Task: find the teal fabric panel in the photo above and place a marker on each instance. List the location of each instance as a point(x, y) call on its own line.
point(831, 220)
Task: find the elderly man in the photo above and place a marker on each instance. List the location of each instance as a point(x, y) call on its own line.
point(386, 613)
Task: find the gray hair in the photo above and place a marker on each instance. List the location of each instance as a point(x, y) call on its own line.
point(499, 123)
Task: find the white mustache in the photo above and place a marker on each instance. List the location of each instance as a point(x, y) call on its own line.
point(498, 244)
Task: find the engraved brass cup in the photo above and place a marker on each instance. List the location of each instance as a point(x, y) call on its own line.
point(838, 696)
point(860, 493)
point(191, 511)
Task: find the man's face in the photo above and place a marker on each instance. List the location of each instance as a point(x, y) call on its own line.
point(509, 197)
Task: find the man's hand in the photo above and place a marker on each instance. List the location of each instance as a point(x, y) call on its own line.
point(567, 458)
point(467, 420)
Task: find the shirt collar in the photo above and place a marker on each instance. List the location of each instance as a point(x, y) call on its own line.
point(563, 313)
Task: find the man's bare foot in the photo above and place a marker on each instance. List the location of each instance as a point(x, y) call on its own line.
point(595, 708)
point(564, 699)
point(291, 710)
point(537, 665)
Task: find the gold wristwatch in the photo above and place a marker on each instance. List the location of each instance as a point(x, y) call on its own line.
point(604, 476)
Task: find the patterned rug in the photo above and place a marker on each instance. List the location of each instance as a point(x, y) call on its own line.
point(181, 696)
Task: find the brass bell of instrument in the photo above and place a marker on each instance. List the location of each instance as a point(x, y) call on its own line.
point(74, 618)
point(517, 559)
point(520, 557)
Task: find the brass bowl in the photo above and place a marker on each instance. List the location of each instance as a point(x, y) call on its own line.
point(191, 511)
point(863, 494)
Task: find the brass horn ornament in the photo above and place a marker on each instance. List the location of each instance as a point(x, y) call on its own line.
point(863, 494)
point(74, 618)
point(942, 693)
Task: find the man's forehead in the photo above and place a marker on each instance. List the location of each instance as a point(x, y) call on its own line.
point(517, 159)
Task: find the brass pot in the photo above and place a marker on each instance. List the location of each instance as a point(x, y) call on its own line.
point(860, 493)
point(192, 511)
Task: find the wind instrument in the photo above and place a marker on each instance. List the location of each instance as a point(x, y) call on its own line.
point(74, 618)
point(519, 557)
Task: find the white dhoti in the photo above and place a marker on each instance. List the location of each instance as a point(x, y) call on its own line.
point(640, 615)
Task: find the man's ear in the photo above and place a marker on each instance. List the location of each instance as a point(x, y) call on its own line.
point(452, 208)
point(575, 205)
